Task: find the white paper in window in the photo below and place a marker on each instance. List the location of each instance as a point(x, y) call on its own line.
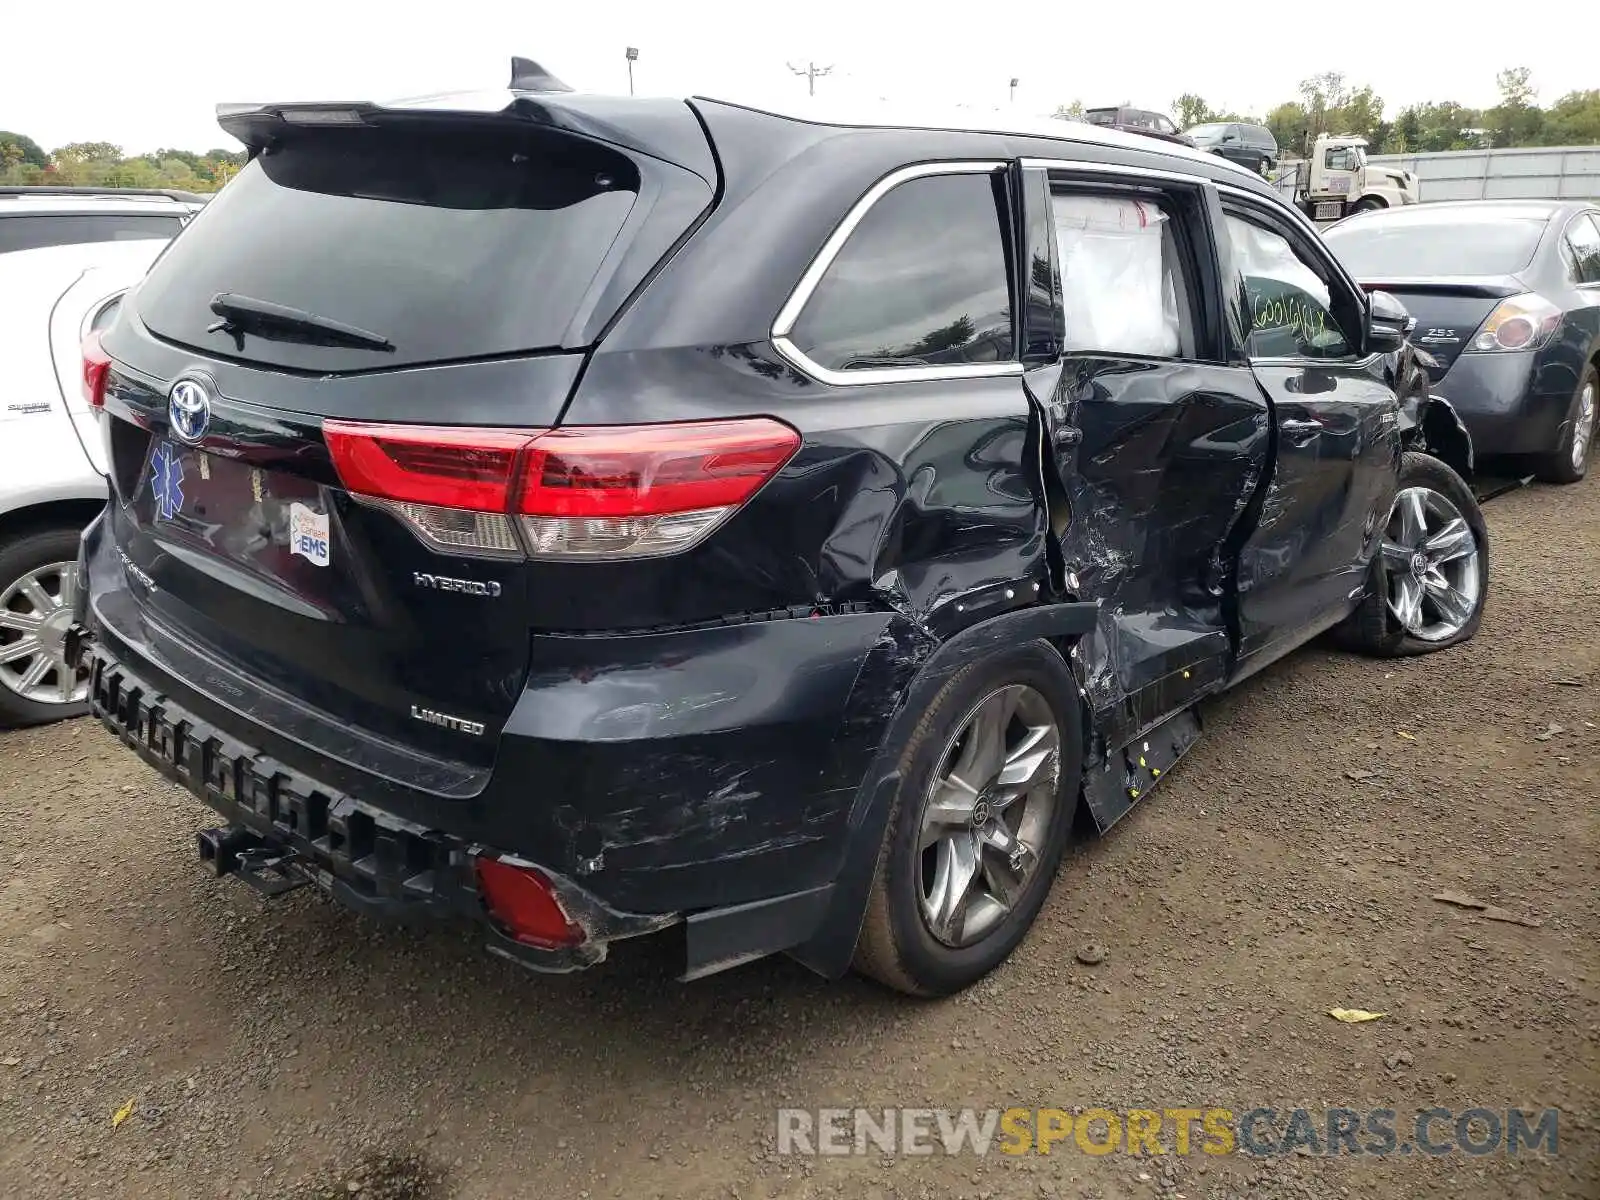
point(1118, 297)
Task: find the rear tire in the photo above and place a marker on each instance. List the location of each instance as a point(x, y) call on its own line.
point(1417, 606)
point(1569, 461)
point(918, 936)
point(37, 575)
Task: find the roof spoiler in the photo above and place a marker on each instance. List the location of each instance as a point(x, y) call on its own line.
point(256, 124)
point(661, 128)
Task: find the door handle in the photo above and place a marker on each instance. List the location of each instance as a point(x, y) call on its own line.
point(1299, 431)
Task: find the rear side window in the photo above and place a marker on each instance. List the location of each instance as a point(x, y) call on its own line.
point(1583, 239)
point(921, 281)
point(35, 232)
point(465, 245)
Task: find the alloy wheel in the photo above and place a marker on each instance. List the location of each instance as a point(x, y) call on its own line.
point(1583, 427)
point(987, 813)
point(1432, 558)
point(35, 615)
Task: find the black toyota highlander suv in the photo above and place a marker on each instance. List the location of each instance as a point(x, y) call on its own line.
point(594, 516)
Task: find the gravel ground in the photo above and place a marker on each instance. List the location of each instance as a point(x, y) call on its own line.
point(290, 1050)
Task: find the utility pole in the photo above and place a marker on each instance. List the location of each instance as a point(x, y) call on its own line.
point(1014, 82)
point(812, 72)
point(632, 54)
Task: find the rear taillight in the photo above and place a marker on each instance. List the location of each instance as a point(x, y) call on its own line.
point(96, 366)
point(1520, 323)
point(593, 492)
point(524, 904)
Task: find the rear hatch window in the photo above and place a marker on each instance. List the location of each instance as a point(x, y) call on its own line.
point(476, 245)
point(1375, 248)
point(344, 260)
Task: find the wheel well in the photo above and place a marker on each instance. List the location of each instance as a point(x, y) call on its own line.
point(56, 513)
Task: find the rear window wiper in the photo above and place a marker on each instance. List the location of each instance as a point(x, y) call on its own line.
point(242, 314)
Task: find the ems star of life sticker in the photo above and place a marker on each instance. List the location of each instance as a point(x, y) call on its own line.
point(166, 480)
point(308, 534)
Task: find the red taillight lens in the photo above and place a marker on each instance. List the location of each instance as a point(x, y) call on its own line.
point(581, 493)
point(96, 366)
point(447, 466)
point(652, 470)
point(524, 904)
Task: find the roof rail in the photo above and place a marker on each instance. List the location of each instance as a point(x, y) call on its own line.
point(53, 190)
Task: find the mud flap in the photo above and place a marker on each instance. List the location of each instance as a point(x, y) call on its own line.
point(1128, 775)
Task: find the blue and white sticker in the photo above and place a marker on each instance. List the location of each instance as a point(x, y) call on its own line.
point(166, 481)
point(308, 535)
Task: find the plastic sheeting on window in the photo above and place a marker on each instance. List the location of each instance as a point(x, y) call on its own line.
point(1116, 285)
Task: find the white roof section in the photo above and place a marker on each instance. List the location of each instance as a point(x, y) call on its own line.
point(55, 204)
point(38, 269)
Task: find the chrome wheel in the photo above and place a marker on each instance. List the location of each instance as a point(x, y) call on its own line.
point(1433, 566)
point(35, 614)
point(1583, 427)
point(987, 813)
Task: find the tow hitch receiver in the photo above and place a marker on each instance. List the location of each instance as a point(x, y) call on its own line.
point(269, 868)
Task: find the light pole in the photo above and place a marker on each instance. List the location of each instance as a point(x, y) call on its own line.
point(632, 55)
point(812, 72)
point(1014, 83)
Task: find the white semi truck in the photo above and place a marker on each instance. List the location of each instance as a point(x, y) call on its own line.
point(1337, 180)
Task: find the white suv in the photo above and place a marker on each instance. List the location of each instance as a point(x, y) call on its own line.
point(51, 458)
point(34, 217)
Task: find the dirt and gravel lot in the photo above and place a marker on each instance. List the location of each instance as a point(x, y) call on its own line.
point(292, 1050)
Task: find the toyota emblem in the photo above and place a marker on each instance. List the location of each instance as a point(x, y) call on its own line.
point(189, 408)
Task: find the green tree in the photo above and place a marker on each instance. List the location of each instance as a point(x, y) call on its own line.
point(1320, 96)
point(1430, 128)
point(1069, 112)
point(1517, 120)
point(1291, 127)
point(1361, 113)
point(87, 152)
point(1189, 109)
point(1573, 120)
point(16, 148)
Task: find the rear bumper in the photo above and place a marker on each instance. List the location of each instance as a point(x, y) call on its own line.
point(708, 777)
point(1506, 402)
point(367, 859)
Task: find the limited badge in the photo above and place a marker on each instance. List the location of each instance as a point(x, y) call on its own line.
point(308, 534)
point(166, 480)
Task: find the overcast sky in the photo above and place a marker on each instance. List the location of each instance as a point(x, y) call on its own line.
point(148, 75)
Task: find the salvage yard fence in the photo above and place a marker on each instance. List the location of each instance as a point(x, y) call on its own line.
point(1556, 173)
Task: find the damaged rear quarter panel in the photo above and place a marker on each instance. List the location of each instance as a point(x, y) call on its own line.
point(710, 766)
